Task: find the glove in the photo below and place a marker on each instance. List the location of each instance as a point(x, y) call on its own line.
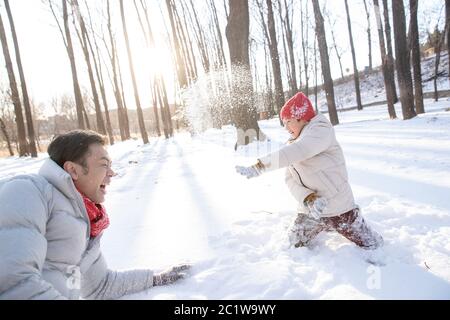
point(252, 171)
point(171, 275)
point(316, 205)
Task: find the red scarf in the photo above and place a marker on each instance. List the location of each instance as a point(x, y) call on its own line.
point(98, 218)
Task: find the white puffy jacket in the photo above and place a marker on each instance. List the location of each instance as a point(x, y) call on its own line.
point(315, 162)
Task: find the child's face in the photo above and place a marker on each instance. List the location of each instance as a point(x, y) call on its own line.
point(294, 127)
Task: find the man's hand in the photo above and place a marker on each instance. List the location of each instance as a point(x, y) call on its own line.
point(171, 275)
point(316, 205)
point(252, 171)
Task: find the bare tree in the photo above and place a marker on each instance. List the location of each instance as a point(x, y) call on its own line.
point(439, 41)
point(96, 57)
point(315, 75)
point(384, 61)
point(14, 93)
point(332, 25)
point(83, 37)
point(124, 100)
point(121, 111)
point(185, 42)
point(26, 100)
point(269, 80)
point(355, 67)
point(237, 33)
point(369, 34)
point(179, 60)
point(6, 135)
point(403, 65)
point(149, 38)
point(415, 55)
point(133, 77)
point(286, 22)
point(273, 49)
point(67, 39)
point(304, 18)
point(325, 62)
point(390, 53)
point(220, 51)
point(447, 23)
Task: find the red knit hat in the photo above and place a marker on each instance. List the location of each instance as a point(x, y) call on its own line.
point(298, 107)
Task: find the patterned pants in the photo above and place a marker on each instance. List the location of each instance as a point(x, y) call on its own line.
point(350, 224)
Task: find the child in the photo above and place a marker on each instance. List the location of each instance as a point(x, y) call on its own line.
point(316, 176)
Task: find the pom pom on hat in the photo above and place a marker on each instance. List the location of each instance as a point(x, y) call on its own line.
point(298, 107)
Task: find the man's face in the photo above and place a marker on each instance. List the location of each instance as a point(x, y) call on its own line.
point(93, 179)
point(294, 127)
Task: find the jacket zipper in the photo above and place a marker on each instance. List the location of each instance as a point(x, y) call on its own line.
point(301, 181)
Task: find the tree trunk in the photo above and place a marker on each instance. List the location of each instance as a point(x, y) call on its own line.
point(269, 99)
point(155, 110)
point(133, 78)
point(179, 61)
point(304, 18)
point(273, 46)
point(122, 93)
point(26, 100)
point(315, 76)
point(199, 36)
point(437, 49)
point(384, 60)
point(14, 93)
point(158, 96)
point(166, 106)
point(84, 45)
point(390, 54)
point(99, 74)
point(287, 23)
point(151, 45)
point(447, 22)
point(323, 49)
point(369, 34)
point(415, 50)
point(221, 51)
point(355, 67)
point(403, 65)
point(76, 85)
point(244, 114)
point(86, 118)
point(186, 45)
point(116, 88)
point(335, 46)
point(5, 133)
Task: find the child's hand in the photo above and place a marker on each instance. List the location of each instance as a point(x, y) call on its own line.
point(316, 205)
point(252, 171)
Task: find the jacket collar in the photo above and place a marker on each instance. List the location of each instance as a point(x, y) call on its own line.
point(60, 179)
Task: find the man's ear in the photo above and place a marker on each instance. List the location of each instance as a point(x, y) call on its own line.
point(71, 169)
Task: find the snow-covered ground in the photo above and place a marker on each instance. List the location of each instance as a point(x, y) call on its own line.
point(180, 200)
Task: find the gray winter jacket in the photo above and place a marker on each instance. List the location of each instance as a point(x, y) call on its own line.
point(45, 248)
point(315, 163)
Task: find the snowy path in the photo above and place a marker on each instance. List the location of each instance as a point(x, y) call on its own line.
point(180, 200)
point(189, 205)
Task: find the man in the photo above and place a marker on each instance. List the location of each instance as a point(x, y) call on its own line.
point(51, 225)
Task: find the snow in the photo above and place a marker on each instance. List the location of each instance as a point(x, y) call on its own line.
point(180, 200)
